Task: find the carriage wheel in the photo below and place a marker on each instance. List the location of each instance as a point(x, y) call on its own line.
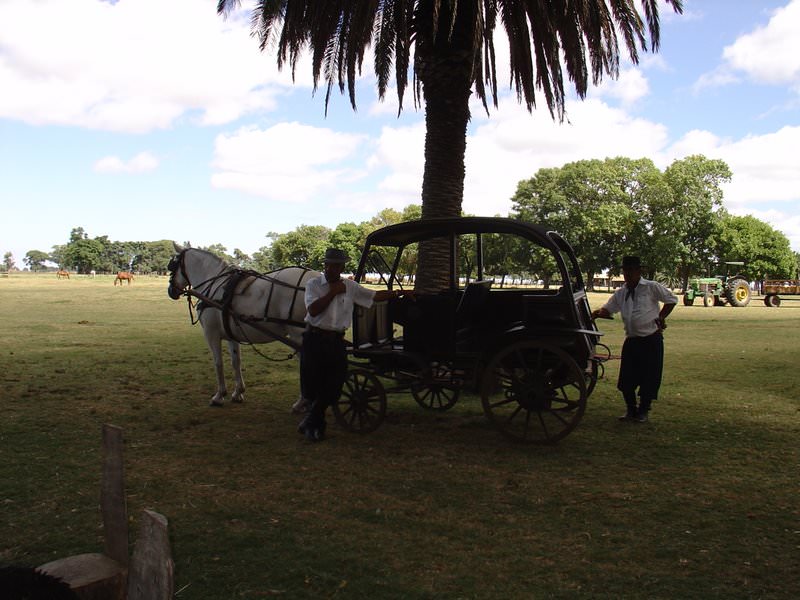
point(362, 405)
point(440, 391)
point(534, 392)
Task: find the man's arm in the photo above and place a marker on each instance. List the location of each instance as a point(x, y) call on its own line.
point(320, 304)
point(381, 295)
point(663, 314)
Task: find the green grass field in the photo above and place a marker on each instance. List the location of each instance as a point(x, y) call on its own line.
point(702, 502)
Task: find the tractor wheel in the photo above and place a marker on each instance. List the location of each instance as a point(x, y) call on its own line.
point(688, 300)
point(708, 299)
point(772, 300)
point(738, 292)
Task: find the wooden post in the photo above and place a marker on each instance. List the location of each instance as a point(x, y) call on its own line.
point(113, 503)
point(102, 576)
point(151, 575)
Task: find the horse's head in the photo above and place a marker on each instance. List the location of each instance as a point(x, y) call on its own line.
point(178, 281)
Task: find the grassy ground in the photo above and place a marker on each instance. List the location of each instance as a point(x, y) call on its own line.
point(702, 502)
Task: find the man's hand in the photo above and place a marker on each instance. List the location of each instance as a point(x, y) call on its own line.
point(601, 313)
point(661, 324)
point(337, 287)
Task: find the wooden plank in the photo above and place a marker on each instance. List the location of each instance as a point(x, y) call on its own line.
point(151, 569)
point(113, 504)
point(90, 576)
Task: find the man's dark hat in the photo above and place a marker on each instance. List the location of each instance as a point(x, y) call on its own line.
point(631, 262)
point(334, 255)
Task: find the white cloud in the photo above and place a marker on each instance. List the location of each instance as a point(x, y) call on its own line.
point(770, 54)
point(287, 162)
point(142, 162)
point(766, 174)
point(132, 66)
point(630, 86)
point(513, 145)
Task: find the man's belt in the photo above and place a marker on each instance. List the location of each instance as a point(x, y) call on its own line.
point(326, 332)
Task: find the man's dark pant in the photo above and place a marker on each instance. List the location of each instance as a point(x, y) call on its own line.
point(642, 365)
point(323, 370)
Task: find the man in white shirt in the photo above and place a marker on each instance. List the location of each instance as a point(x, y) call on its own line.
point(644, 306)
point(329, 301)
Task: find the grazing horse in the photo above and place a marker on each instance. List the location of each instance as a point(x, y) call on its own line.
point(62, 274)
point(124, 276)
point(240, 307)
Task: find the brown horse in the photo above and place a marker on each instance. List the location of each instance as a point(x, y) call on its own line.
point(61, 273)
point(124, 276)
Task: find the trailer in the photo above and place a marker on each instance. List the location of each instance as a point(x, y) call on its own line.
point(785, 287)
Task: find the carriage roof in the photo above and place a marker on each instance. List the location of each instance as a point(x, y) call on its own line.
point(409, 232)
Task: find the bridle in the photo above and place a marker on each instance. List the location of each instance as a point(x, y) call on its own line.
point(178, 263)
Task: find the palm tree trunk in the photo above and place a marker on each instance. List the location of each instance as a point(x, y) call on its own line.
point(445, 69)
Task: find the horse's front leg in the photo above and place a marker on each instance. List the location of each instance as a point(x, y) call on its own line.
point(236, 363)
point(218, 399)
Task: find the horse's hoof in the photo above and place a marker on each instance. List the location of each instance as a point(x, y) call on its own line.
point(216, 403)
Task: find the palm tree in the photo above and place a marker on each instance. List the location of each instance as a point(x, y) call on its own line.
point(454, 52)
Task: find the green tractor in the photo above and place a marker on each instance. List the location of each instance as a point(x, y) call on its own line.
point(717, 290)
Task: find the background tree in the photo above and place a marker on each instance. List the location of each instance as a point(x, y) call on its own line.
point(590, 202)
point(350, 238)
point(58, 255)
point(83, 254)
point(453, 49)
point(35, 260)
point(305, 246)
point(8, 261)
point(218, 250)
point(764, 250)
point(689, 218)
point(154, 257)
point(242, 259)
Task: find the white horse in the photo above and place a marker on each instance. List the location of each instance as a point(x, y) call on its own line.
point(240, 307)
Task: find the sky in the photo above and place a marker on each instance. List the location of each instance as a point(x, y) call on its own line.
point(145, 120)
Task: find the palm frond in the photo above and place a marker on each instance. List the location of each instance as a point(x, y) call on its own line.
point(546, 38)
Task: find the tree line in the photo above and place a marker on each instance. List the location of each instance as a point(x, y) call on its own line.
point(674, 220)
point(605, 208)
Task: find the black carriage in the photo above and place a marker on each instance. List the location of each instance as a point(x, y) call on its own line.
point(527, 348)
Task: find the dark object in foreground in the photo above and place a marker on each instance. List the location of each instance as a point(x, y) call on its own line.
point(27, 583)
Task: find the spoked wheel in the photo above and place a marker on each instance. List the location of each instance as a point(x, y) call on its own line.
point(362, 405)
point(439, 391)
point(534, 392)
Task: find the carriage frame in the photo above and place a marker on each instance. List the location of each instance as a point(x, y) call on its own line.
point(528, 352)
